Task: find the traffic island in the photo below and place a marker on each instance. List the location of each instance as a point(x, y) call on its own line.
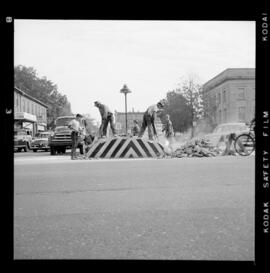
point(125, 147)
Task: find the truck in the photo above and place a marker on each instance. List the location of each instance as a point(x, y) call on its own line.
point(22, 140)
point(60, 140)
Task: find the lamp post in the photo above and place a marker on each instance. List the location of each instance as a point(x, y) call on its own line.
point(125, 90)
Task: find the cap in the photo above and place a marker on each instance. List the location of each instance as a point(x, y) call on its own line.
point(160, 104)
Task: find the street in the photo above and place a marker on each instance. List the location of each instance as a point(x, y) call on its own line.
point(175, 209)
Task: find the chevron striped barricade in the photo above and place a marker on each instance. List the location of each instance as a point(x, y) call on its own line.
point(125, 147)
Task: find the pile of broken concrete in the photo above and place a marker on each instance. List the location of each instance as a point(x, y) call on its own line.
point(197, 148)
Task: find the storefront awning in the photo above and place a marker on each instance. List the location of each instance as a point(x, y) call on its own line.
point(22, 116)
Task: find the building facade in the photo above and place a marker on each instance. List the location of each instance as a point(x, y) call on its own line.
point(120, 122)
point(29, 113)
point(230, 96)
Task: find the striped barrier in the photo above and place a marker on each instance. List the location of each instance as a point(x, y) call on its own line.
point(125, 147)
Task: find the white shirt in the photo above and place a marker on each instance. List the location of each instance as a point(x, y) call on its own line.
point(75, 125)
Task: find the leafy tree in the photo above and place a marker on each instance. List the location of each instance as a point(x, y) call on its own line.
point(44, 90)
point(192, 92)
point(177, 107)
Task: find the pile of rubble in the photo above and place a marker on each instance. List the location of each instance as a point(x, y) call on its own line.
point(197, 148)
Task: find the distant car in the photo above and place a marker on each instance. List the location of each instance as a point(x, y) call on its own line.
point(22, 140)
point(225, 129)
point(41, 142)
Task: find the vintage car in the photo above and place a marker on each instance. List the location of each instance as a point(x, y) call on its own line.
point(41, 142)
point(60, 140)
point(223, 130)
point(22, 140)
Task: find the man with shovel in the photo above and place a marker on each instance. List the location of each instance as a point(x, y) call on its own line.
point(106, 118)
point(149, 120)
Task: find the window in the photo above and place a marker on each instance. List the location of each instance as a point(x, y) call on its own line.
point(241, 93)
point(224, 96)
point(219, 98)
point(241, 114)
point(225, 115)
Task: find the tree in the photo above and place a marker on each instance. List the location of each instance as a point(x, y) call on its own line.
point(44, 90)
point(177, 107)
point(192, 92)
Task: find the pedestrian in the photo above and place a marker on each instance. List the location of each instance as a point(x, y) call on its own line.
point(76, 129)
point(149, 120)
point(106, 117)
point(169, 132)
point(135, 128)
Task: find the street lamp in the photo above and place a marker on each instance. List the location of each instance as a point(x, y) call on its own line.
point(125, 90)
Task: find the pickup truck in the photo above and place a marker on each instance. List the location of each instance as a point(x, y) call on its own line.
point(22, 140)
point(60, 140)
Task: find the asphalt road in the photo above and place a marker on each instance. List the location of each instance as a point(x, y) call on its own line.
point(179, 209)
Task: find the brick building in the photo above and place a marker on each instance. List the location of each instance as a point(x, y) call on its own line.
point(29, 113)
point(230, 95)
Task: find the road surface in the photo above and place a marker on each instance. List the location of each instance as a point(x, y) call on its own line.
point(176, 209)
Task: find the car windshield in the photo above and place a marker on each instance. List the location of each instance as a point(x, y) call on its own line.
point(63, 121)
point(229, 128)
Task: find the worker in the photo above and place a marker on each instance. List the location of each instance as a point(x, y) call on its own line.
point(106, 117)
point(149, 120)
point(169, 132)
point(76, 129)
point(135, 128)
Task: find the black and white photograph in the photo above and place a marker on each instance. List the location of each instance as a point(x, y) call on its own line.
point(134, 139)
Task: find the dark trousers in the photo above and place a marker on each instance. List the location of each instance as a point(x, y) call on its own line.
point(105, 123)
point(74, 143)
point(148, 122)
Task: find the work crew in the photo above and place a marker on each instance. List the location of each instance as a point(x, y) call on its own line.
point(76, 129)
point(149, 120)
point(135, 128)
point(106, 117)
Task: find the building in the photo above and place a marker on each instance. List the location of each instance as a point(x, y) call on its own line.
point(230, 96)
point(29, 113)
point(120, 122)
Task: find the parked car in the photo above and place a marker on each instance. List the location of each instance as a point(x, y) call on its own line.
point(22, 140)
point(225, 129)
point(41, 142)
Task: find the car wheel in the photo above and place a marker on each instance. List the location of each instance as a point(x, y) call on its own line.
point(63, 150)
point(35, 150)
point(19, 150)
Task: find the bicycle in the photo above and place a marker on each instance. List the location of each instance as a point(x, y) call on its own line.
point(244, 143)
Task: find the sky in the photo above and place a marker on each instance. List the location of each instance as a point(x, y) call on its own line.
point(91, 60)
